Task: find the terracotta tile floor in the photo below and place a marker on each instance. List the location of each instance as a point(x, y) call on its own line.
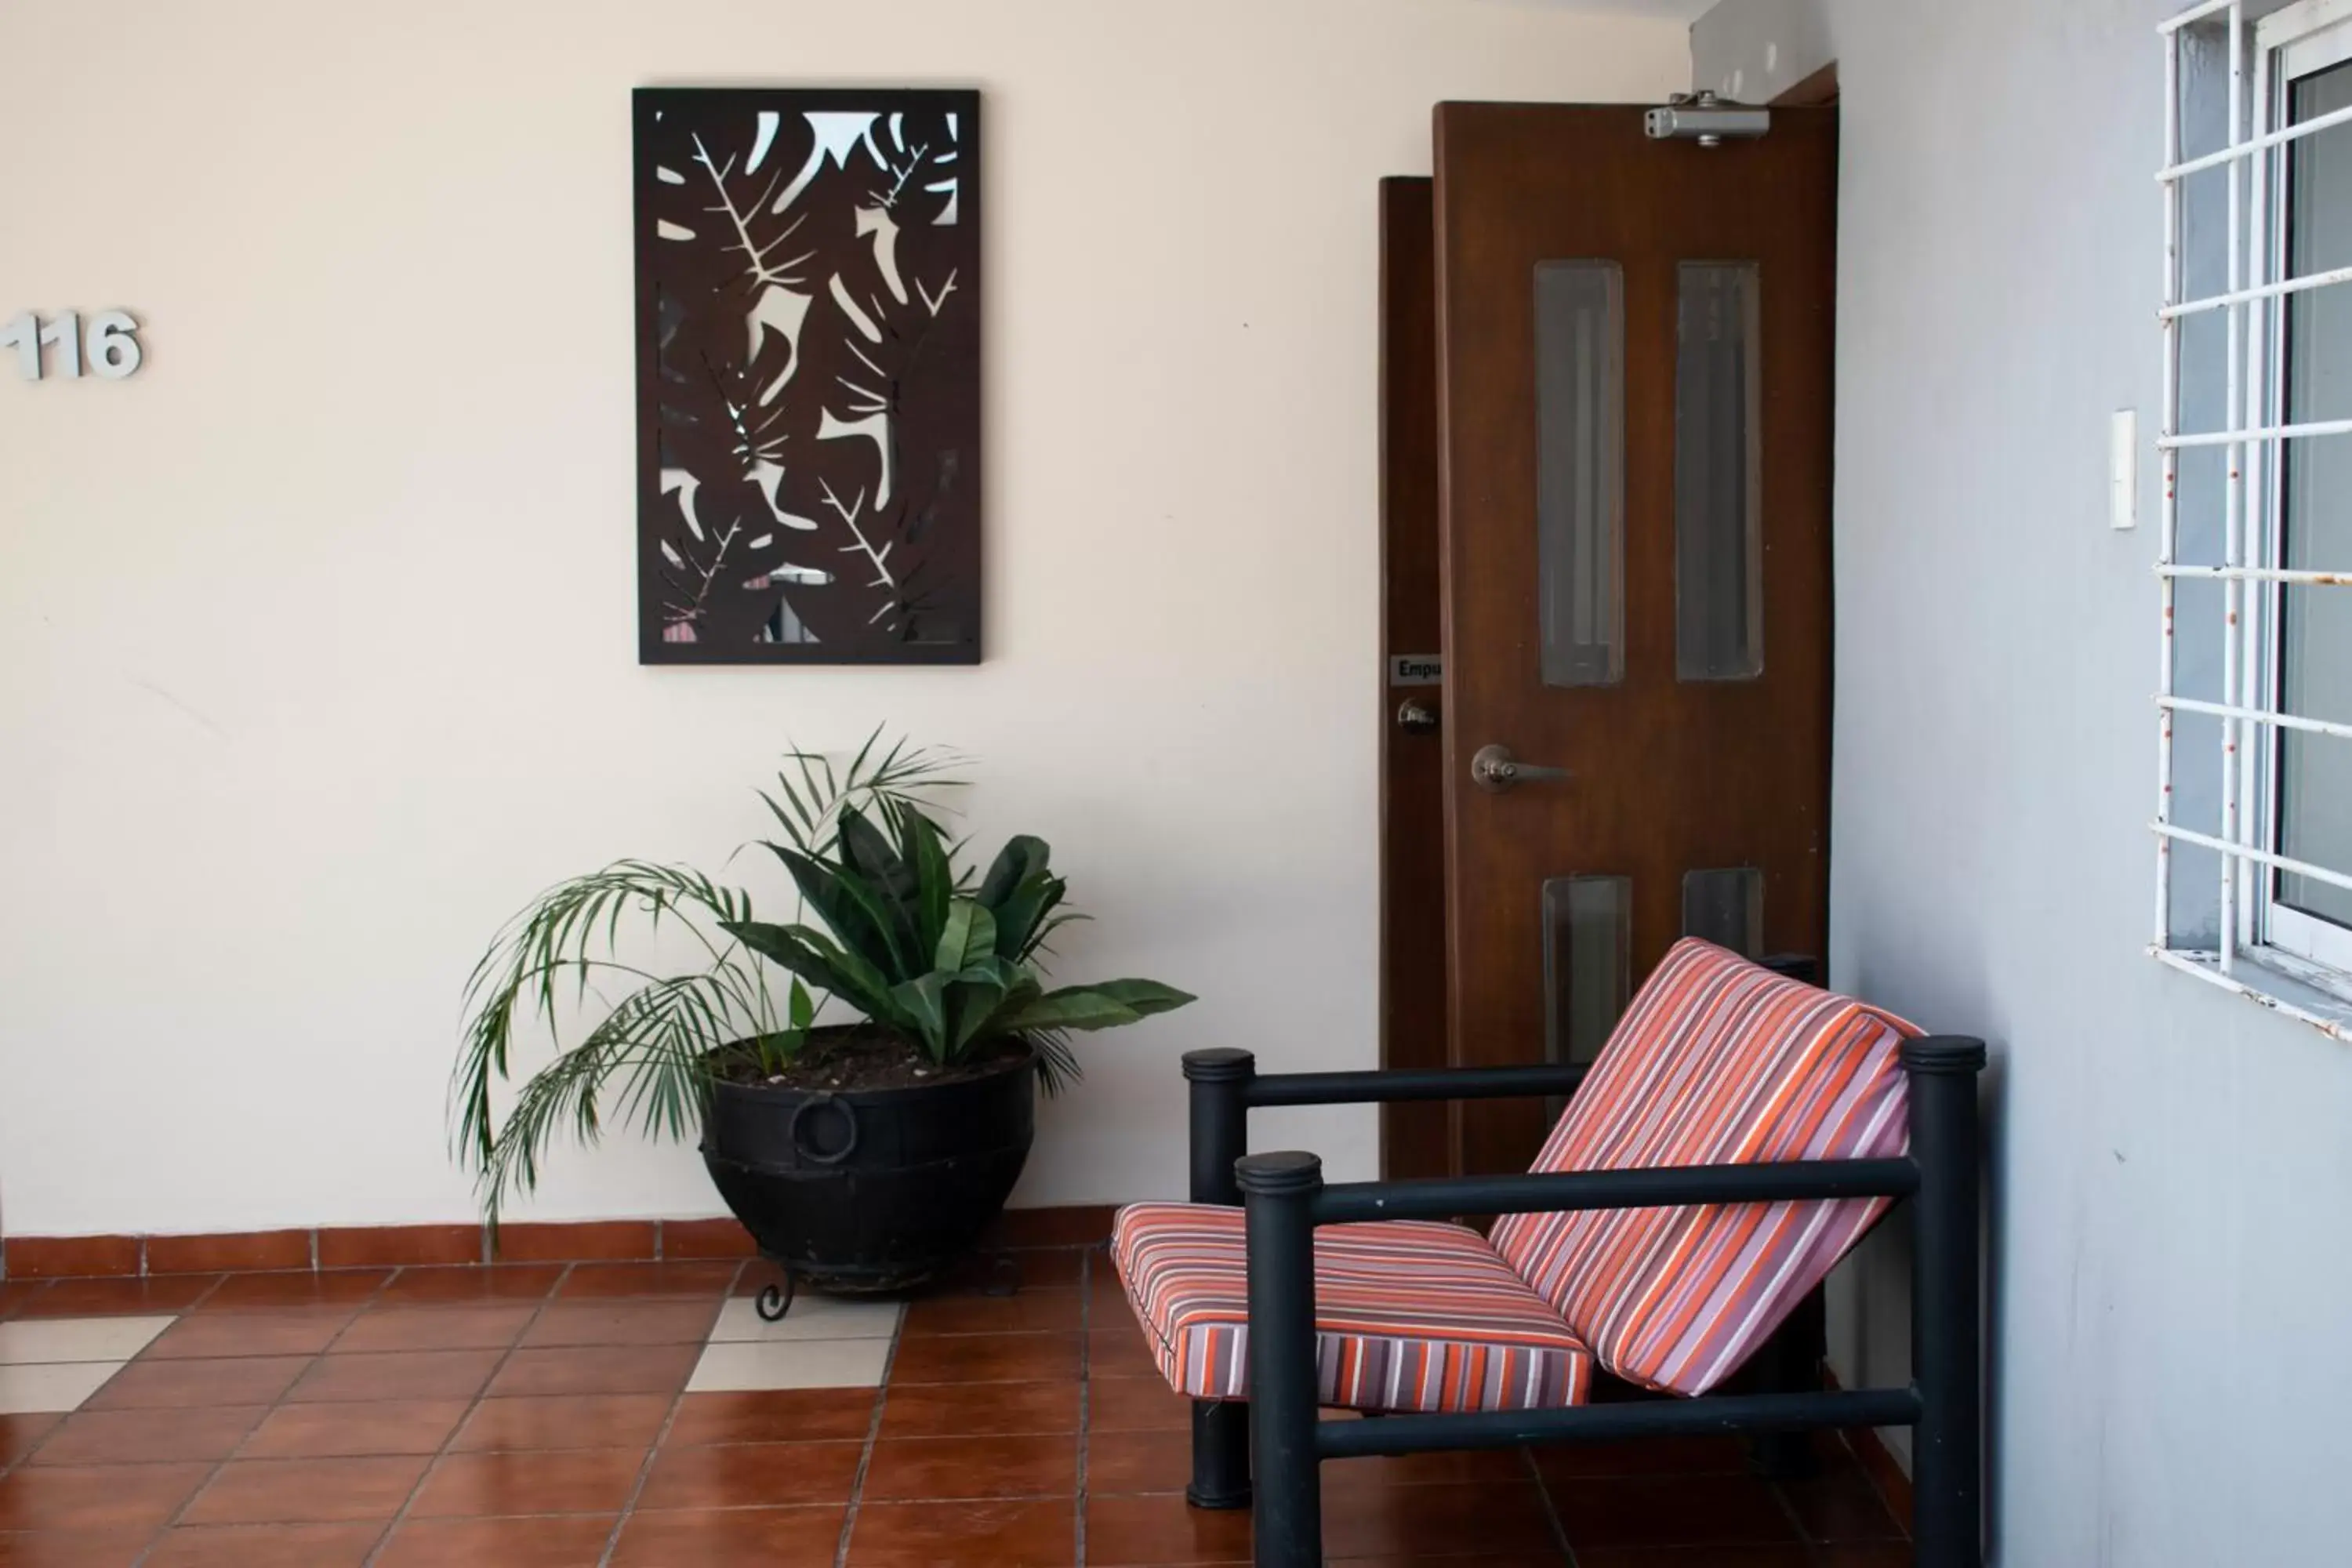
point(538, 1417)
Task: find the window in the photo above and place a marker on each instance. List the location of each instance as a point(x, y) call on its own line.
point(2254, 805)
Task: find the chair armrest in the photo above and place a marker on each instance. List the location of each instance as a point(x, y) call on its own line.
point(1432, 1083)
point(1224, 1083)
point(1561, 1192)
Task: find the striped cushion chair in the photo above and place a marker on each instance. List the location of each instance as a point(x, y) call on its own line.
point(1717, 1061)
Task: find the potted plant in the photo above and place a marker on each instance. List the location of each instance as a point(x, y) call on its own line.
point(865, 1120)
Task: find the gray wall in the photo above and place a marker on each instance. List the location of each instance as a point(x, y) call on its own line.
point(2171, 1168)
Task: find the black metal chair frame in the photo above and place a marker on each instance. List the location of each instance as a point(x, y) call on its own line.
point(1286, 1197)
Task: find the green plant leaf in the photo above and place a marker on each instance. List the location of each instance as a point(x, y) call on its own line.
point(850, 908)
point(924, 1002)
point(1073, 1007)
point(1057, 1065)
point(969, 936)
point(1023, 858)
point(1102, 1006)
point(925, 848)
point(884, 870)
point(820, 961)
point(1021, 912)
point(802, 1009)
point(988, 991)
point(1145, 996)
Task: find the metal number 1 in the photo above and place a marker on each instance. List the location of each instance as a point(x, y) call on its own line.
point(24, 335)
point(64, 334)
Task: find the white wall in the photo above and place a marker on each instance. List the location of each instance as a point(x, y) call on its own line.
point(2171, 1168)
point(316, 645)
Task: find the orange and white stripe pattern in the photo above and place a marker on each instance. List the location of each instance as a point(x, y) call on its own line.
point(1408, 1316)
point(1718, 1062)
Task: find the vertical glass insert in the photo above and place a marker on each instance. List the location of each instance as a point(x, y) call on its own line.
point(1718, 474)
point(1581, 470)
point(1588, 924)
point(2314, 651)
point(1725, 908)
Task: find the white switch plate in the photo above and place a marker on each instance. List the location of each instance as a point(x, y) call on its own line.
point(2123, 468)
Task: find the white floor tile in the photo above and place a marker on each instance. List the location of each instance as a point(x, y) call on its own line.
point(78, 1338)
point(790, 1363)
point(51, 1386)
point(813, 1317)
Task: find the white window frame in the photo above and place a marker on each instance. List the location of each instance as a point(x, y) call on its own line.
point(2303, 39)
point(2286, 959)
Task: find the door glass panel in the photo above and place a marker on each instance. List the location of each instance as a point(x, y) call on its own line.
point(1718, 474)
point(1725, 908)
point(1581, 470)
point(1588, 945)
point(2315, 785)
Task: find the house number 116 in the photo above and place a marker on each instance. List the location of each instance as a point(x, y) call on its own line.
point(110, 350)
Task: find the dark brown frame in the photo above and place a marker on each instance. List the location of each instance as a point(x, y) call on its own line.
point(904, 574)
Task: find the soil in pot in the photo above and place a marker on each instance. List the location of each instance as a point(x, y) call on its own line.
point(843, 1058)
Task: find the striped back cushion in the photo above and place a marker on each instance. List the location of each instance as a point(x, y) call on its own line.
point(1716, 1062)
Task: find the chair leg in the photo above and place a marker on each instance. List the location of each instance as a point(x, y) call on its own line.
point(1219, 1137)
point(1286, 1514)
point(1947, 1459)
point(1221, 1456)
point(1789, 1362)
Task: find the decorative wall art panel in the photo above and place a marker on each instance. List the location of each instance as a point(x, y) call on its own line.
point(808, 377)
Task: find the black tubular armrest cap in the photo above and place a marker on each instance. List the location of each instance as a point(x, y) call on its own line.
point(1283, 1171)
point(1944, 1054)
point(1218, 1064)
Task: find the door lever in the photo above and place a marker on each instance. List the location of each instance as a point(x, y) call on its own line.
point(1493, 768)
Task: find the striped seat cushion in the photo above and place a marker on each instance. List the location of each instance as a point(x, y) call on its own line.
point(1716, 1062)
point(1408, 1316)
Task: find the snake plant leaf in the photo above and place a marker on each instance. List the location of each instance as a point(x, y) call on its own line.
point(1072, 1008)
point(1023, 856)
point(873, 856)
point(1144, 996)
point(850, 908)
point(975, 996)
point(816, 959)
point(935, 878)
point(1023, 909)
point(1009, 988)
point(882, 868)
point(924, 1002)
point(969, 936)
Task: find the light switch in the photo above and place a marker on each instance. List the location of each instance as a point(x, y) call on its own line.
point(2123, 468)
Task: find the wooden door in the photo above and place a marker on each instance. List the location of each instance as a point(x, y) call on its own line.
point(1634, 349)
point(1416, 1137)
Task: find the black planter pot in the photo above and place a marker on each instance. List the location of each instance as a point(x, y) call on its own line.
point(870, 1189)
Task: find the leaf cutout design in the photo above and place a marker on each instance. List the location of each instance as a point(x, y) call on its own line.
point(810, 379)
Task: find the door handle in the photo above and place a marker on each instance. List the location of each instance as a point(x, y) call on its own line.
point(1417, 718)
point(1495, 768)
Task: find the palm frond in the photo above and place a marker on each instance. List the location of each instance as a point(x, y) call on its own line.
point(572, 931)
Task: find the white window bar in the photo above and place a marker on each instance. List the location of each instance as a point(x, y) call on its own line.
point(2238, 152)
point(2249, 715)
point(2259, 575)
point(2261, 291)
point(2247, 851)
point(2235, 437)
point(2257, 716)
